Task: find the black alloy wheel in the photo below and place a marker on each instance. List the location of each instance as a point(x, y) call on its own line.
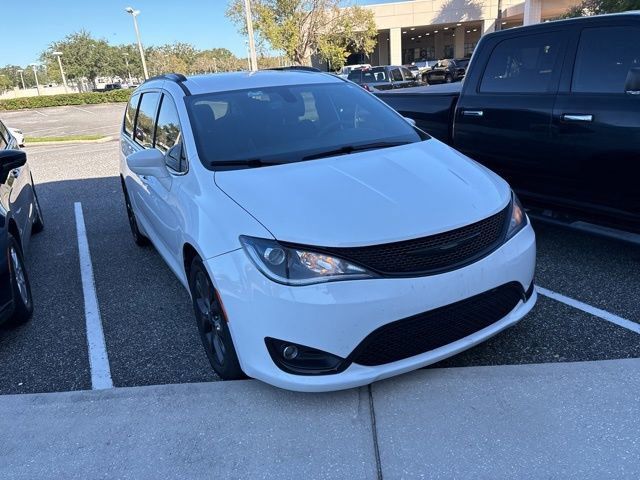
point(138, 237)
point(20, 286)
point(212, 324)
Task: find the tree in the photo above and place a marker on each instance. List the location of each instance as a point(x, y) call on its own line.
point(301, 28)
point(600, 7)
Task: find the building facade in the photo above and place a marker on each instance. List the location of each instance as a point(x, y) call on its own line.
point(435, 29)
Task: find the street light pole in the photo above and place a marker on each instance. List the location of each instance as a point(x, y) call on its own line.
point(64, 79)
point(22, 79)
point(253, 62)
point(35, 74)
point(126, 60)
point(134, 14)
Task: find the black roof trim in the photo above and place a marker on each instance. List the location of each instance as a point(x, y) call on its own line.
point(299, 68)
point(173, 77)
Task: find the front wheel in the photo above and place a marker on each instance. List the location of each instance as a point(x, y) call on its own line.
point(138, 237)
point(212, 324)
point(20, 286)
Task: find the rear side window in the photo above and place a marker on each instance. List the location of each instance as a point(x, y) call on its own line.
point(169, 134)
point(355, 76)
point(130, 114)
point(146, 119)
point(407, 74)
point(524, 64)
point(396, 75)
point(605, 55)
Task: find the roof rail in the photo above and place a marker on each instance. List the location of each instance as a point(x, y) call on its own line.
point(173, 77)
point(301, 68)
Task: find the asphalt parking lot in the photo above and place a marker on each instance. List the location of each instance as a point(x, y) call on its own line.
point(149, 329)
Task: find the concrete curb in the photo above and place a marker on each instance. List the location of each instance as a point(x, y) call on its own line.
point(567, 420)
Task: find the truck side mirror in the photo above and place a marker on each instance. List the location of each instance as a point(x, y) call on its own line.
point(632, 85)
point(10, 160)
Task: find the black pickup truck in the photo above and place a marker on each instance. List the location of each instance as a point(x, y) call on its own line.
point(555, 109)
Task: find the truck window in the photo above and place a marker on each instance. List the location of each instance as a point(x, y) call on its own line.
point(605, 55)
point(396, 75)
point(523, 64)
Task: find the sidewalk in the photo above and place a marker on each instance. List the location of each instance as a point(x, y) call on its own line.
point(570, 420)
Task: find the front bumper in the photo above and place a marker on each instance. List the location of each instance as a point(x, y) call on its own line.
point(335, 317)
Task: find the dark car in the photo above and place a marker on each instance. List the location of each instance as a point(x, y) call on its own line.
point(20, 216)
point(444, 71)
point(112, 86)
point(554, 108)
point(383, 78)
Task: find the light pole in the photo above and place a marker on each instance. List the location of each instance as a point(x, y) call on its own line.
point(35, 74)
point(22, 79)
point(134, 14)
point(253, 61)
point(126, 60)
point(64, 79)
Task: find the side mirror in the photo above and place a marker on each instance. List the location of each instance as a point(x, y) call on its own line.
point(10, 160)
point(148, 162)
point(410, 121)
point(632, 85)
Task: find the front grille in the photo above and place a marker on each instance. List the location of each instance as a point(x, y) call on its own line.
point(433, 254)
point(430, 330)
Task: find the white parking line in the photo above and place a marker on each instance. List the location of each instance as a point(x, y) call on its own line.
point(83, 110)
point(98, 359)
point(603, 314)
point(40, 113)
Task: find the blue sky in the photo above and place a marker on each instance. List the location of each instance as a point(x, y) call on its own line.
point(37, 23)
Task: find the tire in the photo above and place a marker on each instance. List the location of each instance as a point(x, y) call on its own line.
point(447, 78)
point(425, 79)
point(38, 224)
point(20, 286)
point(138, 237)
point(212, 324)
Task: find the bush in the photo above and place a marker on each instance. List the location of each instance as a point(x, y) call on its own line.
point(114, 96)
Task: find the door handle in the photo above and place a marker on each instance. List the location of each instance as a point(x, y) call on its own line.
point(473, 113)
point(574, 117)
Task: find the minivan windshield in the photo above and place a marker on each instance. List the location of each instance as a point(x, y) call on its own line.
point(284, 124)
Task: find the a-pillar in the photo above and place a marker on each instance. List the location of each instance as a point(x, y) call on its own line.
point(395, 46)
point(459, 42)
point(532, 12)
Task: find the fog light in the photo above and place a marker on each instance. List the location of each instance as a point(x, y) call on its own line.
point(290, 352)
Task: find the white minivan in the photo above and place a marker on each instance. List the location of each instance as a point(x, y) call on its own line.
point(326, 242)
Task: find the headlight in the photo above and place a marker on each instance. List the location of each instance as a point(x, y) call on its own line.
point(518, 217)
point(297, 266)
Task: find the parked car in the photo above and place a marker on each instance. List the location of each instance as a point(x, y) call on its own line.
point(18, 135)
point(555, 109)
point(444, 71)
point(326, 242)
point(383, 78)
point(415, 71)
point(20, 216)
point(112, 86)
point(347, 69)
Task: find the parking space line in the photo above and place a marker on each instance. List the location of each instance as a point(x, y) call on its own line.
point(83, 110)
point(603, 314)
point(40, 113)
point(98, 359)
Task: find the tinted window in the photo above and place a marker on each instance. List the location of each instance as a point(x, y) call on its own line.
point(145, 119)
point(379, 74)
point(130, 114)
point(523, 64)
point(396, 75)
point(407, 74)
point(288, 123)
point(169, 134)
point(4, 137)
point(604, 58)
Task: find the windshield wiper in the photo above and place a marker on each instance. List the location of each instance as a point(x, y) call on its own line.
point(247, 162)
point(347, 149)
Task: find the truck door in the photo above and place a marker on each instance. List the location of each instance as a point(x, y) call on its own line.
point(596, 123)
point(503, 117)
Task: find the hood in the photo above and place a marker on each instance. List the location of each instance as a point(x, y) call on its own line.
point(369, 197)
